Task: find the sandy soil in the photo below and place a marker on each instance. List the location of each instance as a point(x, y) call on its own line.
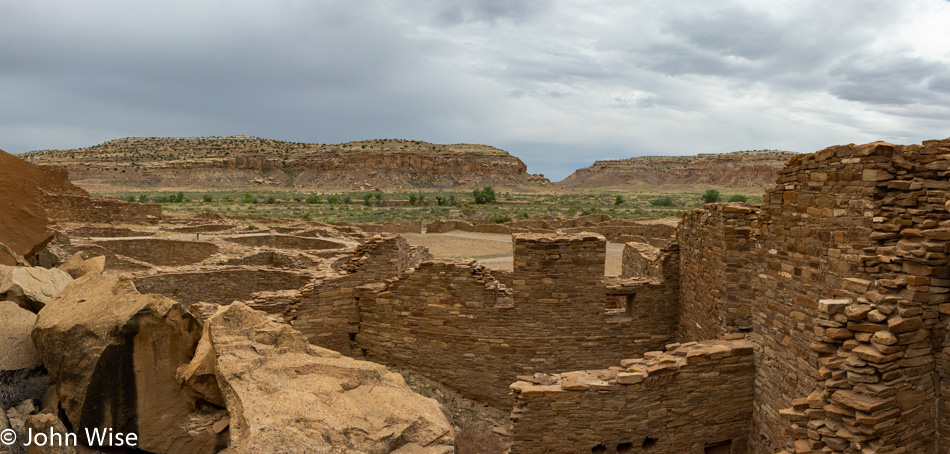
point(490, 249)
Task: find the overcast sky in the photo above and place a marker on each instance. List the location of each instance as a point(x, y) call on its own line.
point(557, 83)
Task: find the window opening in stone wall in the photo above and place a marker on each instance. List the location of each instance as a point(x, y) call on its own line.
point(599, 449)
point(649, 443)
point(724, 447)
point(624, 448)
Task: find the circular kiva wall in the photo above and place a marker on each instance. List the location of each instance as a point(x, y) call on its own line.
point(286, 241)
point(221, 286)
point(160, 252)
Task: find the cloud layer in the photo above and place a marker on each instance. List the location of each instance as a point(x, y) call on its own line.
point(557, 83)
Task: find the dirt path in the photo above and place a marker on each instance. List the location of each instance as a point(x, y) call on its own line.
point(490, 249)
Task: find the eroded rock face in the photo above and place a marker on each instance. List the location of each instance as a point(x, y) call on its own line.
point(32, 287)
point(288, 396)
point(16, 348)
point(23, 226)
point(113, 355)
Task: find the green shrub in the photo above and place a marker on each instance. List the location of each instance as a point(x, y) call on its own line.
point(662, 201)
point(347, 199)
point(413, 199)
point(368, 199)
point(143, 198)
point(619, 200)
point(248, 198)
point(333, 199)
point(711, 196)
point(500, 218)
point(130, 198)
point(313, 199)
point(484, 196)
point(271, 200)
point(738, 198)
point(208, 198)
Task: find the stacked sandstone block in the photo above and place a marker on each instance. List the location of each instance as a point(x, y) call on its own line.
point(328, 313)
point(686, 399)
point(455, 323)
point(716, 262)
point(880, 346)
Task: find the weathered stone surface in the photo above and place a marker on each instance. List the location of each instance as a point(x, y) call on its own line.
point(16, 348)
point(23, 225)
point(47, 423)
point(281, 391)
point(77, 267)
point(113, 354)
point(31, 287)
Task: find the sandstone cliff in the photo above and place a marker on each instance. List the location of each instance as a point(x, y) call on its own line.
point(740, 169)
point(241, 162)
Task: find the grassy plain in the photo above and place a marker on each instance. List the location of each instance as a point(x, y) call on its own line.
point(382, 207)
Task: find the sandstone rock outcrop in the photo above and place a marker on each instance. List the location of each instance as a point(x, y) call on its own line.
point(78, 267)
point(741, 169)
point(288, 396)
point(249, 162)
point(16, 348)
point(23, 226)
point(113, 355)
point(31, 287)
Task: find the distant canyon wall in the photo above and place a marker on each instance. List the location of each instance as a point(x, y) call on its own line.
point(741, 169)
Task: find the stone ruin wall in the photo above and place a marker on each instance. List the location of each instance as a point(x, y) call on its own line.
point(814, 226)
point(455, 323)
point(328, 313)
point(692, 398)
point(77, 208)
point(717, 267)
point(160, 252)
point(221, 285)
point(879, 342)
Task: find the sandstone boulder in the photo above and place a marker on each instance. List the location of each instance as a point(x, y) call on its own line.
point(113, 355)
point(287, 396)
point(77, 267)
point(10, 258)
point(16, 348)
point(31, 287)
point(47, 423)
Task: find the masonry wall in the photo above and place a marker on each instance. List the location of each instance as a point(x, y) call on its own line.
point(221, 285)
point(160, 252)
point(327, 312)
point(455, 323)
point(716, 266)
point(77, 208)
point(691, 399)
point(880, 336)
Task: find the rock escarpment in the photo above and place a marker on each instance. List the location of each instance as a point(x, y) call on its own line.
point(741, 169)
point(240, 162)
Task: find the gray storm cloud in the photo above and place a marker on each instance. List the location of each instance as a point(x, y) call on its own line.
point(557, 83)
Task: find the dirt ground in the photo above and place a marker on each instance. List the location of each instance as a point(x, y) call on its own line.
point(490, 249)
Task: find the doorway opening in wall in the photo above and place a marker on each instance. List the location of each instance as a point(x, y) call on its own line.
point(649, 443)
point(624, 448)
point(723, 447)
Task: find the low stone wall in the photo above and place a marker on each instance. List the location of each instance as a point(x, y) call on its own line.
point(221, 285)
point(160, 252)
point(389, 227)
point(614, 230)
point(77, 208)
point(285, 241)
point(693, 398)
